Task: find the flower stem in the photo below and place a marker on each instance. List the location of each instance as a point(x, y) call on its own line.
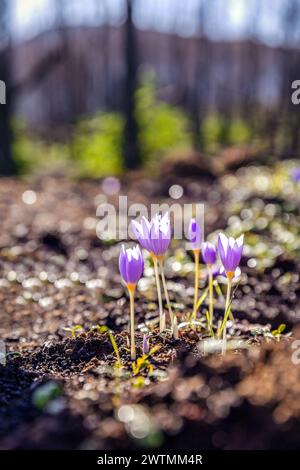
point(163, 278)
point(211, 300)
point(196, 255)
point(224, 341)
point(131, 289)
point(162, 317)
point(226, 313)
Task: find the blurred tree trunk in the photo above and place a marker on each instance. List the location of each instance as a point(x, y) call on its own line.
point(194, 98)
point(197, 93)
point(131, 147)
point(7, 166)
point(290, 69)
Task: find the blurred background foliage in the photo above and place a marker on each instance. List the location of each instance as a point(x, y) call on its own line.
point(33, 154)
point(95, 148)
point(238, 132)
point(120, 85)
point(97, 145)
point(162, 127)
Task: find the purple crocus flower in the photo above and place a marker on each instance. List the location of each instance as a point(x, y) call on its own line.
point(154, 236)
point(230, 252)
point(209, 253)
point(131, 265)
point(295, 174)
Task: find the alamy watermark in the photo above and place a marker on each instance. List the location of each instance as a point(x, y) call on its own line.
point(296, 354)
point(295, 97)
point(114, 221)
point(2, 92)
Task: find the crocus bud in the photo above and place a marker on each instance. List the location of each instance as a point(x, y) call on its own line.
point(230, 251)
point(146, 346)
point(295, 175)
point(195, 235)
point(209, 253)
point(131, 265)
point(154, 236)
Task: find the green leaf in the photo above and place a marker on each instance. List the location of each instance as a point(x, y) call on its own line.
point(218, 289)
point(281, 328)
point(202, 298)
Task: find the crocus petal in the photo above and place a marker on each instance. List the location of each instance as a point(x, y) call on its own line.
point(160, 234)
point(231, 242)
point(135, 265)
point(238, 250)
point(165, 225)
point(154, 236)
point(230, 259)
point(141, 231)
point(240, 241)
point(164, 235)
point(146, 238)
point(222, 246)
point(122, 263)
point(136, 228)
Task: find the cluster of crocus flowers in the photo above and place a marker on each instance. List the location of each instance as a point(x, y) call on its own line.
point(155, 237)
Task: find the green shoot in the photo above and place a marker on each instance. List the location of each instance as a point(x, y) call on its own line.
point(104, 329)
point(218, 289)
point(200, 301)
point(220, 294)
point(225, 318)
point(75, 329)
point(227, 313)
point(280, 329)
point(211, 331)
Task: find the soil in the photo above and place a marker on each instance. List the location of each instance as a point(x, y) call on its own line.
point(64, 389)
